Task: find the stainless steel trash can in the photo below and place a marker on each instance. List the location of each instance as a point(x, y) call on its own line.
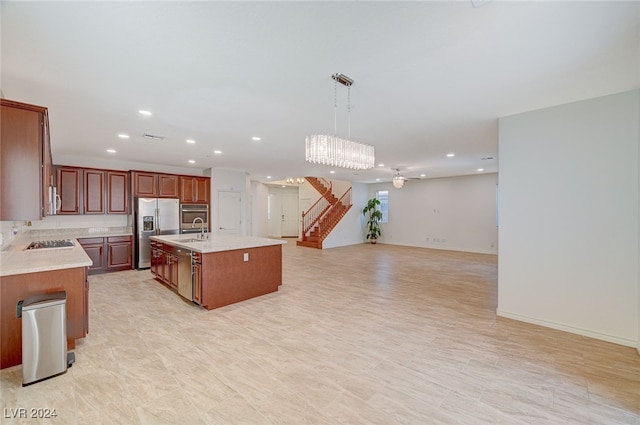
point(44, 336)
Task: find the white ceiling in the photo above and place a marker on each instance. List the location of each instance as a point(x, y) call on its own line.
point(430, 77)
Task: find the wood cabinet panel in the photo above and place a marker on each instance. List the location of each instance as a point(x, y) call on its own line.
point(119, 255)
point(95, 251)
point(17, 287)
point(68, 184)
point(117, 192)
point(197, 283)
point(168, 186)
point(94, 192)
point(145, 185)
point(194, 190)
point(108, 254)
point(23, 161)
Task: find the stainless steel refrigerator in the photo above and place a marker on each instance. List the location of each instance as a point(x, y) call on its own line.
point(154, 216)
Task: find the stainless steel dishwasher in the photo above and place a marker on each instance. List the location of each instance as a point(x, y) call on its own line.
point(185, 279)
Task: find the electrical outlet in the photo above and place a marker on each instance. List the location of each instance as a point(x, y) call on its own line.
point(246, 256)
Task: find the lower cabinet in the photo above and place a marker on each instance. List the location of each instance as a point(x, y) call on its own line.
point(164, 264)
point(197, 277)
point(108, 254)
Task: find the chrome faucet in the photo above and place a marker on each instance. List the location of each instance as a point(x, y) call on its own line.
point(202, 228)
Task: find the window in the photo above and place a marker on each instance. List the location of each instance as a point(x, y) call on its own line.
point(383, 197)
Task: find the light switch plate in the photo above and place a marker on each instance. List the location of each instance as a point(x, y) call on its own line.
point(246, 256)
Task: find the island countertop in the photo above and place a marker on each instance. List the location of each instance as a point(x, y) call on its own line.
point(216, 242)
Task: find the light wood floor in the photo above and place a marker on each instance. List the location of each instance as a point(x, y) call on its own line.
point(356, 335)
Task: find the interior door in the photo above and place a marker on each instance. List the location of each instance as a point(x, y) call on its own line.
point(229, 216)
point(275, 214)
point(290, 214)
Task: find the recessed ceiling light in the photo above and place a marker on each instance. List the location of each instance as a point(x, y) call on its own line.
point(332, 172)
point(192, 161)
point(284, 185)
point(451, 155)
point(191, 141)
point(268, 177)
point(256, 139)
point(111, 150)
point(480, 170)
point(377, 180)
point(422, 175)
point(217, 152)
point(144, 112)
point(380, 165)
point(123, 136)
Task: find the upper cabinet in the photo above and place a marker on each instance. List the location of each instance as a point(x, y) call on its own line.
point(68, 181)
point(145, 185)
point(194, 190)
point(94, 191)
point(154, 185)
point(117, 192)
point(167, 186)
point(91, 191)
point(25, 161)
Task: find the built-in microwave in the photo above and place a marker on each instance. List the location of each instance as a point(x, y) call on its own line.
point(189, 214)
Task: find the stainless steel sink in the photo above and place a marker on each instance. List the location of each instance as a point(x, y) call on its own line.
point(191, 240)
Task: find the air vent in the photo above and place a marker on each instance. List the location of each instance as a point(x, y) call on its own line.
point(152, 136)
point(486, 158)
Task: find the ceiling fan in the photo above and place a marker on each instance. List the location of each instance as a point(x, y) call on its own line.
point(398, 179)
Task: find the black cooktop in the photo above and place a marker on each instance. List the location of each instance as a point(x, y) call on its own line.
point(60, 243)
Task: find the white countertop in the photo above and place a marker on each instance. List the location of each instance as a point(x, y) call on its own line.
point(15, 260)
point(216, 242)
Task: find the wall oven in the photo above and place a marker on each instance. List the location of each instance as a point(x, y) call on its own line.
point(190, 213)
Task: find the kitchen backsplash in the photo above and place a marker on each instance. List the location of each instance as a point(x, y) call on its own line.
point(7, 228)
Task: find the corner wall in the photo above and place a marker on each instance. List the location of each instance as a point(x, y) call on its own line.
point(569, 219)
point(454, 213)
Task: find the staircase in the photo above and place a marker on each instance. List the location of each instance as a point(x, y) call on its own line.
point(320, 219)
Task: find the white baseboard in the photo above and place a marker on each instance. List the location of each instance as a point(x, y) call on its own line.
point(579, 331)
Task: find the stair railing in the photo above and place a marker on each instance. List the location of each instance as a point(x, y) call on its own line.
point(342, 205)
point(313, 214)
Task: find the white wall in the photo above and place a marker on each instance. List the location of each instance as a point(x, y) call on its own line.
point(456, 213)
point(260, 223)
point(569, 190)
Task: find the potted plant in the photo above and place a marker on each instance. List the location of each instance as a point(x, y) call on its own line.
point(374, 215)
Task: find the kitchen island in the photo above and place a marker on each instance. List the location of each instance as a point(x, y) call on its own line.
point(42, 271)
point(223, 269)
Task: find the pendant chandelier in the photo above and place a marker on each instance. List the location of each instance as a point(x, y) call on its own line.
point(398, 180)
point(334, 151)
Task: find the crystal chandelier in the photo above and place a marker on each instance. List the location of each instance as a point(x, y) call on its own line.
point(337, 152)
point(398, 181)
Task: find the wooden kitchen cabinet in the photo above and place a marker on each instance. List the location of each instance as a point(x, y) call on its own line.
point(94, 192)
point(194, 190)
point(14, 288)
point(197, 278)
point(168, 186)
point(145, 185)
point(25, 161)
point(69, 192)
point(94, 247)
point(154, 185)
point(119, 250)
point(117, 192)
point(108, 254)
